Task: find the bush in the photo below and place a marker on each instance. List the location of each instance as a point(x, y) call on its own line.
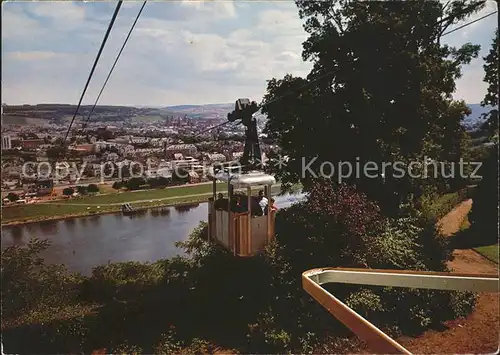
point(436, 207)
point(484, 215)
point(180, 176)
point(135, 183)
point(127, 349)
point(82, 190)
point(28, 284)
point(12, 197)
point(117, 185)
point(68, 191)
point(125, 280)
point(339, 227)
point(93, 188)
point(170, 345)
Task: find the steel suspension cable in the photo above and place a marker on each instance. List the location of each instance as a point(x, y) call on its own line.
point(110, 26)
point(116, 61)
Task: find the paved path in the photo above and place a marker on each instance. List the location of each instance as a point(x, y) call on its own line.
point(451, 223)
point(477, 333)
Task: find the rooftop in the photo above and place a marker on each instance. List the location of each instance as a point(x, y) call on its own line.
point(252, 178)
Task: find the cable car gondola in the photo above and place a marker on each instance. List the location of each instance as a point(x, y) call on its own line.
point(242, 228)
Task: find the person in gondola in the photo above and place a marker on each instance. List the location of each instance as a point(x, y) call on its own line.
point(256, 208)
point(220, 203)
point(273, 205)
point(239, 205)
point(263, 202)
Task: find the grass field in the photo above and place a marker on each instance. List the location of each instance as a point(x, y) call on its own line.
point(490, 252)
point(131, 196)
point(110, 203)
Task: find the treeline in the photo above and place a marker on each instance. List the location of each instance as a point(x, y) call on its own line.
point(138, 183)
point(82, 190)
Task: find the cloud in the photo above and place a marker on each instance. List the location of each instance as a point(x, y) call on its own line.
point(219, 9)
point(16, 25)
point(179, 53)
point(64, 11)
point(471, 86)
point(28, 56)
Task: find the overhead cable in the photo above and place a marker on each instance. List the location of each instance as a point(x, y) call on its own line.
point(116, 61)
point(110, 26)
point(469, 23)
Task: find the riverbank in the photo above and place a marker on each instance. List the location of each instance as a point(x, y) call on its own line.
point(96, 205)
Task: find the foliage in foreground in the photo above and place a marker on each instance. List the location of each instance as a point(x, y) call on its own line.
point(380, 91)
point(491, 75)
point(484, 214)
point(340, 227)
point(435, 206)
point(254, 305)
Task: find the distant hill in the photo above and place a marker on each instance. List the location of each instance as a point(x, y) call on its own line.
point(22, 121)
point(191, 107)
point(474, 120)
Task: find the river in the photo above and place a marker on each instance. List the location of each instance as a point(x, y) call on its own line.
point(84, 242)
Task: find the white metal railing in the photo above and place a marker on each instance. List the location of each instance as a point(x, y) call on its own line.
point(376, 339)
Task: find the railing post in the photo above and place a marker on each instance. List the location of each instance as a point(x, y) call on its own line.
point(269, 231)
point(249, 219)
point(230, 221)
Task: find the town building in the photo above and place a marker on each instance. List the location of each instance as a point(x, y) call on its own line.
point(32, 143)
point(184, 149)
point(84, 148)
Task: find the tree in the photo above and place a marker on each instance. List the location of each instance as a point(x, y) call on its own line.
point(135, 183)
point(28, 284)
point(12, 197)
point(484, 214)
point(180, 176)
point(491, 77)
point(68, 191)
point(93, 188)
point(56, 152)
point(117, 185)
point(82, 190)
point(340, 227)
point(384, 94)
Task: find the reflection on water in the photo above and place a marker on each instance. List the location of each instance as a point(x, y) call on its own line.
point(70, 223)
point(162, 211)
point(95, 218)
point(31, 227)
point(186, 208)
point(82, 243)
point(17, 235)
point(49, 227)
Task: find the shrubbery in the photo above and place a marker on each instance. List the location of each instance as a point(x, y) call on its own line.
point(484, 215)
point(435, 206)
point(68, 191)
point(118, 185)
point(12, 197)
point(339, 227)
point(30, 285)
point(254, 305)
point(93, 188)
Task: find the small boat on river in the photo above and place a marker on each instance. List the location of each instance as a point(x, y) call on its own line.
point(127, 209)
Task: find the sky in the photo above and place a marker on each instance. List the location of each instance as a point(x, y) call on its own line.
point(181, 52)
